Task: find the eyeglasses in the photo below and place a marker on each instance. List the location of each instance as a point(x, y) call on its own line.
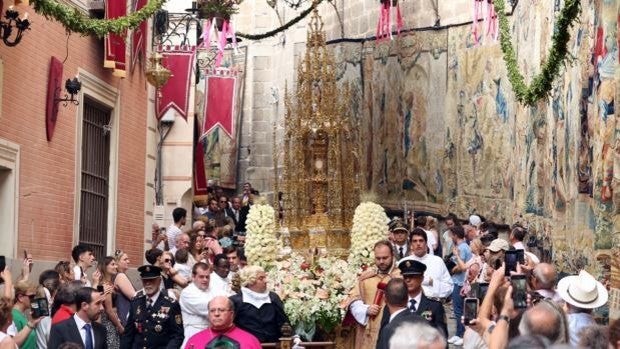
point(218, 310)
point(223, 201)
point(167, 260)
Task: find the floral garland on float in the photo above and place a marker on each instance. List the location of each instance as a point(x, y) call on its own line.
point(369, 226)
point(261, 244)
point(312, 289)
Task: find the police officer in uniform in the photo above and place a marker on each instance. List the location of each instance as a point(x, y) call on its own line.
point(154, 318)
point(431, 310)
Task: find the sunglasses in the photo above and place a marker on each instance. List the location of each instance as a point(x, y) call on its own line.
point(118, 253)
point(167, 260)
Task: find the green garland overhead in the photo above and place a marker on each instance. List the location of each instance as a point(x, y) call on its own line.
point(74, 21)
point(541, 83)
point(283, 27)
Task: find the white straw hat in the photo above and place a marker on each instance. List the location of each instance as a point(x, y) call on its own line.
point(582, 291)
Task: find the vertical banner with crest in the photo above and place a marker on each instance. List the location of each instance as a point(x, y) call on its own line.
point(219, 100)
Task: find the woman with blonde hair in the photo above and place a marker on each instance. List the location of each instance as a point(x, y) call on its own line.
point(431, 228)
point(109, 317)
point(258, 310)
point(122, 286)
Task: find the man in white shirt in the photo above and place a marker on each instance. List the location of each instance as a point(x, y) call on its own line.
point(92, 335)
point(182, 242)
point(194, 301)
point(83, 257)
point(450, 221)
point(437, 281)
point(221, 276)
point(179, 215)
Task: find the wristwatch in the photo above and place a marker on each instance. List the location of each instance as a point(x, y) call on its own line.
point(504, 317)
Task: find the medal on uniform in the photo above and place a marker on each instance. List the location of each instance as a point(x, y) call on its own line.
point(158, 328)
point(139, 310)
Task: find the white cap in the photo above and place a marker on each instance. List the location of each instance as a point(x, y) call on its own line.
point(474, 220)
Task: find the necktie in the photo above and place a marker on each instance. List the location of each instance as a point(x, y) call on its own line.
point(412, 303)
point(89, 337)
point(400, 252)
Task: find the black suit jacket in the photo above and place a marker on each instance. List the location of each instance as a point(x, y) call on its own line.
point(434, 313)
point(243, 216)
point(430, 310)
point(156, 328)
point(67, 331)
point(385, 334)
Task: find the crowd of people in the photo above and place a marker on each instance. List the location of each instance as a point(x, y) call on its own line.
point(197, 291)
point(501, 295)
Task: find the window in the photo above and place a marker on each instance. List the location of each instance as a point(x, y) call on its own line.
point(9, 196)
point(96, 168)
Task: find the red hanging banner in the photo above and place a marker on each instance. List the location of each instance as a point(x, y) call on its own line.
point(138, 37)
point(175, 93)
point(114, 44)
point(220, 101)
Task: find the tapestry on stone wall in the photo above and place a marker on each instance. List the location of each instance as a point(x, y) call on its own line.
point(440, 127)
point(219, 95)
point(395, 86)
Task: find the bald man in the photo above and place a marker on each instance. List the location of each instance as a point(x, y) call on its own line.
point(544, 278)
point(545, 319)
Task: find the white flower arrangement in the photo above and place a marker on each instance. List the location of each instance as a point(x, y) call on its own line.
point(261, 244)
point(370, 224)
point(312, 291)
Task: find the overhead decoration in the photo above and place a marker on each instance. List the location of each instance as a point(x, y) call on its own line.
point(74, 21)
point(490, 23)
point(384, 27)
point(541, 83)
point(114, 43)
point(174, 94)
point(282, 28)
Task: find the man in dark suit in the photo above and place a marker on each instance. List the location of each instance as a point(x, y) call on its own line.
point(82, 327)
point(431, 310)
point(154, 318)
point(396, 304)
point(399, 231)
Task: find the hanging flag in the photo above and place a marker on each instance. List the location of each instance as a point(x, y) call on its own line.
point(138, 36)
point(220, 101)
point(200, 178)
point(175, 93)
point(114, 44)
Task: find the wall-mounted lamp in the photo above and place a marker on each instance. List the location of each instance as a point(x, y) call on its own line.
point(73, 86)
point(12, 23)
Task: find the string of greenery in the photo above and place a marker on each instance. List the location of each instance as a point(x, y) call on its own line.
point(74, 21)
point(283, 27)
point(541, 83)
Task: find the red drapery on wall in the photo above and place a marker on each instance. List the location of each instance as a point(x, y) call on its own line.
point(138, 37)
point(114, 44)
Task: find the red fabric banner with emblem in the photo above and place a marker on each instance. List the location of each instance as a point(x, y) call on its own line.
point(175, 93)
point(138, 37)
point(114, 44)
point(220, 101)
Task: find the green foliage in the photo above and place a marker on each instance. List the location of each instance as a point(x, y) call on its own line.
point(218, 8)
point(541, 83)
point(74, 21)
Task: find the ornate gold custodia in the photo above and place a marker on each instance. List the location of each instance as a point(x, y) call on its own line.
point(318, 177)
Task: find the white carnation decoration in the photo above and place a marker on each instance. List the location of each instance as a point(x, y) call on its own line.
point(370, 224)
point(261, 245)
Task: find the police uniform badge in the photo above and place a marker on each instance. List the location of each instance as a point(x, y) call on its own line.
point(158, 328)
